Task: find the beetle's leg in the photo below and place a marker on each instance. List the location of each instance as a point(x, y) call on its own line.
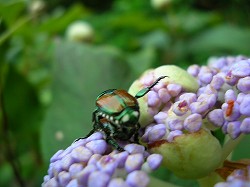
point(109, 131)
point(113, 142)
point(144, 91)
point(95, 126)
point(89, 134)
point(136, 135)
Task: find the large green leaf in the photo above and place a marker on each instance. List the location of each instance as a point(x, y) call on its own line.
point(221, 39)
point(81, 72)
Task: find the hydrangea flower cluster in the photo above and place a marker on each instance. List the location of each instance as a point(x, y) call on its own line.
point(220, 101)
point(177, 117)
point(91, 162)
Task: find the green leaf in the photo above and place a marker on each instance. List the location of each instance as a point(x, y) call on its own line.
point(81, 72)
point(242, 151)
point(222, 39)
point(24, 111)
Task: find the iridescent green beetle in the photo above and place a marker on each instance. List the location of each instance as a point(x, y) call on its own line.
point(117, 115)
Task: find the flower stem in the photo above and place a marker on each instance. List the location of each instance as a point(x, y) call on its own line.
point(229, 146)
point(209, 180)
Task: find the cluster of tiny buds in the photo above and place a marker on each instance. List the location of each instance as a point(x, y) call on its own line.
point(91, 162)
point(222, 101)
point(239, 178)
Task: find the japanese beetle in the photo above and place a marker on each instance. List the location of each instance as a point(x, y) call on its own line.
point(117, 115)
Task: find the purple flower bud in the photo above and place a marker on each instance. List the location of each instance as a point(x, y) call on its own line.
point(51, 182)
point(154, 161)
point(217, 63)
point(231, 110)
point(199, 107)
point(193, 70)
point(231, 79)
point(206, 77)
point(159, 86)
point(233, 129)
point(174, 89)
point(95, 136)
point(216, 116)
point(94, 158)
point(81, 154)
point(240, 97)
point(188, 97)
point(118, 182)
point(164, 95)
point(121, 158)
point(175, 123)
point(98, 179)
point(245, 126)
point(83, 176)
point(134, 148)
point(137, 179)
point(107, 164)
point(160, 117)
point(67, 161)
point(210, 99)
point(244, 106)
point(217, 82)
point(244, 84)
point(134, 162)
point(180, 107)
point(193, 122)
point(157, 132)
point(72, 183)
point(173, 134)
point(241, 68)
point(97, 146)
point(75, 168)
point(230, 95)
point(153, 99)
point(64, 178)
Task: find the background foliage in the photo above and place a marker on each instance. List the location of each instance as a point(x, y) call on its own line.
point(48, 84)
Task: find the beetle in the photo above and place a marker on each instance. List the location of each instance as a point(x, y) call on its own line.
point(117, 115)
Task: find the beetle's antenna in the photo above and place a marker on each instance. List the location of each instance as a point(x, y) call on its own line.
point(144, 91)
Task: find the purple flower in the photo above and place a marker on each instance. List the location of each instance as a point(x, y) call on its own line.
point(239, 178)
point(91, 162)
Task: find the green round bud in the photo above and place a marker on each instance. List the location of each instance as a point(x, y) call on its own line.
point(80, 31)
point(175, 75)
point(179, 76)
point(190, 156)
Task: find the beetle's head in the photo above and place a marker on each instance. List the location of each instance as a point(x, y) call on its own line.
point(129, 117)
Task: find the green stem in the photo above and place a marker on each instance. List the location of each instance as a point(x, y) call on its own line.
point(229, 146)
point(159, 183)
point(209, 180)
point(13, 29)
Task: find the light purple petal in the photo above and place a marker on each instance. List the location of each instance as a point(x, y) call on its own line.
point(134, 162)
point(245, 126)
point(174, 89)
point(193, 122)
point(244, 106)
point(241, 68)
point(134, 148)
point(160, 117)
point(216, 116)
point(173, 134)
point(81, 154)
point(244, 84)
point(154, 161)
point(233, 129)
point(157, 132)
point(97, 146)
point(164, 95)
point(98, 179)
point(137, 179)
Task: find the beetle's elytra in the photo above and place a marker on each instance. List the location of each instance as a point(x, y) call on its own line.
point(117, 115)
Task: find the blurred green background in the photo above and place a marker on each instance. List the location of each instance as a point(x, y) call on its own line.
point(51, 73)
